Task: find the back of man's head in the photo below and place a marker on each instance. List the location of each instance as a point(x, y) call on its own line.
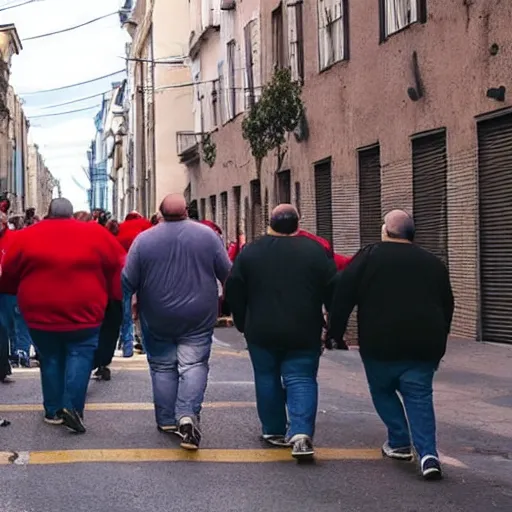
point(173, 207)
point(60, 208)
point(284, 219)
point(398, 227)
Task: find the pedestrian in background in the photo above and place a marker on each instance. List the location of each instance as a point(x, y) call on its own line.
point(173, 269)
point(276, 291)
point(63, 272)
point(404, 308)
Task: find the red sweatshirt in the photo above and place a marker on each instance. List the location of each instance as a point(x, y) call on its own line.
point(340, 260)
point(63, 272)
point(129, 229)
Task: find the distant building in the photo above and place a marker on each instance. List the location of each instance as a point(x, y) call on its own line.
point(41, 186)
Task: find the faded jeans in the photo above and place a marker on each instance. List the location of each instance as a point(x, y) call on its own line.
point(414, 419)
point(179, 374)
point(126, 335)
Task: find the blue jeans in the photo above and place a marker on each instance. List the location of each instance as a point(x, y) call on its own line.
point(412, 380)
point(286, 381)
point(13, 322)
point(126, 335)
point(179, 374)
point(66, 360)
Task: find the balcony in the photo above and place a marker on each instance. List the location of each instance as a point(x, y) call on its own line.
point(187, 147)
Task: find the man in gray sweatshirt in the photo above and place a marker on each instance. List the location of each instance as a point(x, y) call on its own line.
point(173, 269)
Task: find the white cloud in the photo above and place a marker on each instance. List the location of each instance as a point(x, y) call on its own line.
point(60, 60)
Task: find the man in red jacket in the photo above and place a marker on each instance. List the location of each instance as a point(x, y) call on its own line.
point(63, 272)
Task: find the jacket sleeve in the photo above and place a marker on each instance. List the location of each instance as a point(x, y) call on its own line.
point(113, 261)
point(448, 300)
point(345, 288)
point(236, 293)
point(11, 267)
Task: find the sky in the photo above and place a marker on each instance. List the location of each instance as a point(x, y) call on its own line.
point(59, 60)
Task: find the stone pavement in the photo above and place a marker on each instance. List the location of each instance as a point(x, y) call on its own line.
point(123, 464)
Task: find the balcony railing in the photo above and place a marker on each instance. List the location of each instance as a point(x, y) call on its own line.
point(187, 146)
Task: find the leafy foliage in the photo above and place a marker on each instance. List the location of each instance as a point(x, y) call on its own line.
point(209, 150)
point(277, 113)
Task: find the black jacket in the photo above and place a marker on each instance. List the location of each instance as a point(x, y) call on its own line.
point(276, 290)
point(404, 302)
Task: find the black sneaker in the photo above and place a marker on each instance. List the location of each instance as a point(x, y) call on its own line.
point(302, 447)
point(103, 373)
point(53, 419)
point(404, 453)
point(431, 468)
point(190, 436)
point(168, 429)
point(276, 440)
point(72, 420)
point(4, 423)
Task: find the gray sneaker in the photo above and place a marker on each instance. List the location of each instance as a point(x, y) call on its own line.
point(404, 453)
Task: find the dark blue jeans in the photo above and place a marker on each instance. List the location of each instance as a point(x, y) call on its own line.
point(66, 360)
point(415, 418)
point(286, 381)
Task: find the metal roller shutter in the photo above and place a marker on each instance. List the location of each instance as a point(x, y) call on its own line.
point(224, 214)
point(370, 214)
point(429, 169)
point(323, 197)
point(213, 208)
point(247, 219)
point(495, 198)
point(256, 209)
point(237, 196)
point(266, 212)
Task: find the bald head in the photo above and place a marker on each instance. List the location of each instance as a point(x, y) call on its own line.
point(398, 226)
point(284, 219)
point(60, 208)
point(174, 207)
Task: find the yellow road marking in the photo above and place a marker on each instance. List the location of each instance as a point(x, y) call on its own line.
point(177, 455)
point(123, 406)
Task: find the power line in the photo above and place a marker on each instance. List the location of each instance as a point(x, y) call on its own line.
point(72, 85)
point(74, 101)
point(18, 5)
point(70, 28)
point(64, 113)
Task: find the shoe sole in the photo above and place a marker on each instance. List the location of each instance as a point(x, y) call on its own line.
point(189, 446)
point(403, 457)
point(53, 422)
point(303, 455)
point(433, 475)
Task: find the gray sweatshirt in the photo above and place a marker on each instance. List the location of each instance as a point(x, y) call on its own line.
point(173, 268)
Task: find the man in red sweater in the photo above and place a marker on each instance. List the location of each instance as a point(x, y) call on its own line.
point(63, 272)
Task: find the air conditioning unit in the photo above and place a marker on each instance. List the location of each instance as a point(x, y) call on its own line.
point(227, 5)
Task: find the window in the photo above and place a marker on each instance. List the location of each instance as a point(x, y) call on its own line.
point(222, 98)
point(237, 196)
point(213, 208)
point(284, 187)
point(256, 209)
point(296, 40)
point(332, 32)
point(249, 65)
point(232, 79)
point(396, 15)
point(323, 200)
point(297, 196)
point(224, 213)
point(278, 38)
point(215, 104)
point(202, 212)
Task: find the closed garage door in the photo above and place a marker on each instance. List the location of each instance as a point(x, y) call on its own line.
point(429, 168)
point(495, 197)
point(323, 200)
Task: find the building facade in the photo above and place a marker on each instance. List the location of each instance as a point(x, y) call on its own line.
point(407, 106)
point(41, 186)
point(159, 102)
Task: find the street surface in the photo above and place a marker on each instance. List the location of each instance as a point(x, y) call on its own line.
point(123, 464)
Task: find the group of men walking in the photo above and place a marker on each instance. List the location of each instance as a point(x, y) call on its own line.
point(78, 282)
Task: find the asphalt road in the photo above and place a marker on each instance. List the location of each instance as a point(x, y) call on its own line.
point(123, 464)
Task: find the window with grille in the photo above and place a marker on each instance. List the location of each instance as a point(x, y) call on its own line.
point(278, 55)
point(284, 187)
point(213, 208)
point(296, 39)
point(323, 200)
point(332, 32)
point(395, 15)
point(224, 213)
point(232, 79)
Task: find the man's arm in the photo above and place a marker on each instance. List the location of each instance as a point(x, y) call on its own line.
point(448, 300)
point(328, 275)
point(11, 265)
point(236, 293)
point(345, 286)
point(131, 270)
point(222, 263)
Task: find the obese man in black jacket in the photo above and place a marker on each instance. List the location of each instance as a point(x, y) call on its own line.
point(276, 290)
point(404, 307)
